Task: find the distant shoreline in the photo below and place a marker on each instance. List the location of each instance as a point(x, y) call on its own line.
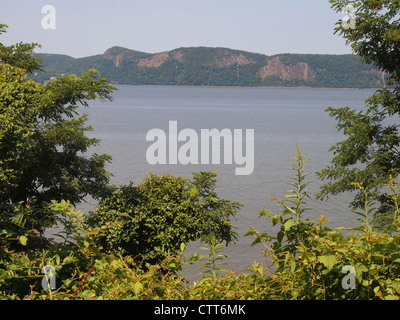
point(256, 87)
point(219, 67)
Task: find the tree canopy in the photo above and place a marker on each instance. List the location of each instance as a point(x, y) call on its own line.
point(43, 142)
point(370, 155)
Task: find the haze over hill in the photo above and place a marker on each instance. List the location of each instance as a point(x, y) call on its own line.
point(207, 66)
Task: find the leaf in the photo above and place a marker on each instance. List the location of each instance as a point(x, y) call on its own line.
point(328, 261)
point(23, 240)
point(263, 213)
point(183, 246)
point(257, 240)
point(360, 268)
point(260, 269)
point(250, 233)
point(88, 294)
point(292, 266)
point(289, 223)
point(137, 288)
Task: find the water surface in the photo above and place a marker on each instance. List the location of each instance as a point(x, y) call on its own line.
point(280, 117)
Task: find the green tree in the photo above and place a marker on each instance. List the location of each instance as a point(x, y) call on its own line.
point(19, 55)
point(43, 142)
point(371, 151)
point(155, 217)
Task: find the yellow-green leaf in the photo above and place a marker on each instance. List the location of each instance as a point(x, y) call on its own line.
point(289, 223)
point(23, 240)
point(328, 261)
point(137, 288)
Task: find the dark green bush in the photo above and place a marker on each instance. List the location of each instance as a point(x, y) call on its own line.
point(155, 217)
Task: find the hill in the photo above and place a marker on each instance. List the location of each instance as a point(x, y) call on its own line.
point(218, 67)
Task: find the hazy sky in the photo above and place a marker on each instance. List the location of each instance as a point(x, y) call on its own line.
point(89, 27)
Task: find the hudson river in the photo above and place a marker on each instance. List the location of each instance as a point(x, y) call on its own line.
point(280, 117)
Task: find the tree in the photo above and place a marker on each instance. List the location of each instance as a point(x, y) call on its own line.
point(43, 144)
point(371, 152)
point(19, 55)
point(155, 217)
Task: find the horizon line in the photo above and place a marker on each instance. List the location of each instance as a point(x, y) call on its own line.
point(200, 46)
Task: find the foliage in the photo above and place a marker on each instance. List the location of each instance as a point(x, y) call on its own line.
point(42, 139)
point(155, 217)
point(293, 231)
point(43, 142)
point(21, 269)
point(250, 285)
point(19, 101)
point(370, 153)
point(211, 264)
point(309, 259)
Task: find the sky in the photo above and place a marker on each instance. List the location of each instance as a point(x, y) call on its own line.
point(89, 27)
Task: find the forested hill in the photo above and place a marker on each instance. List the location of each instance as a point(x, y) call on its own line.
point(217, 67)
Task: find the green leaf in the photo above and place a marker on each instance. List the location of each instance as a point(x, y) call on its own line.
point(250, 233)
point(292, 266)
point(263, 213)
point(328, 261)
point(23, 240)
point(137, 288)
point(257, 240)
point(183, 246)
point(88, 294)
point(289, 223)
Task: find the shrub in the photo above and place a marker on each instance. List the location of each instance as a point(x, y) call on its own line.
point(155, 217)
point(310, 260)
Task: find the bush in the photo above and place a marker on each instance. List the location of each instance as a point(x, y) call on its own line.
point(155, 217)
point(310, 261)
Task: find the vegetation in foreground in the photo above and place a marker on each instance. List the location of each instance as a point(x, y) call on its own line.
point(45, 171)
point(307, 260)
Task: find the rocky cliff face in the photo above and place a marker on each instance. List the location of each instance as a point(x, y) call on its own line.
point(115, 58)
point(156, 61)
point(222, 59)
point(275, 67)
point(233, 59)
point(227, 60)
